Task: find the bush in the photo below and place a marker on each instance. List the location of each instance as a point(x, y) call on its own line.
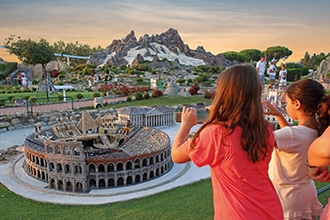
point(61, 76)
point(35, 82)
point(79, 96)
point(209, 94)
point(128, 99)
point(96, 94)
point(60, 97)
point(194, 89)
point(146, 95)
point(74, 80)
point(294, 74)
point(139, 96)
point(11, 98)
point(156, 93)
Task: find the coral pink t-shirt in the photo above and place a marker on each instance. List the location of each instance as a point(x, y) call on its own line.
point(241, 188)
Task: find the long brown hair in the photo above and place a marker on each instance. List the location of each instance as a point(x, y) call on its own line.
point(237, 102)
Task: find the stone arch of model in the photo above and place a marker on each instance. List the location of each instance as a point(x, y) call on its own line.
point(79, 157)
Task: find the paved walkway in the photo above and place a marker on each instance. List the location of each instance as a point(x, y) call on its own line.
point(16, 180)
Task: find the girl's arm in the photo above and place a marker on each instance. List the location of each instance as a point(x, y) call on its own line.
point(188, 120)
point(273, 111)
point(319, 150)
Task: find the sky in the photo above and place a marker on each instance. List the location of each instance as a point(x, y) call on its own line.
point(217, 25)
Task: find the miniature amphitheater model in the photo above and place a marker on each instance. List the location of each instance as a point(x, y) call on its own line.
point(96, 154)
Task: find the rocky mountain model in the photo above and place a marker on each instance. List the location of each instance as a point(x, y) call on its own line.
point(161, 51)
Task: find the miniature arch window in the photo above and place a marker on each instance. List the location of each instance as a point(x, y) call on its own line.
point(76, 151)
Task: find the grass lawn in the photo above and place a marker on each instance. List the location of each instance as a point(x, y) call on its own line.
point(163, 100)
point(189, 202)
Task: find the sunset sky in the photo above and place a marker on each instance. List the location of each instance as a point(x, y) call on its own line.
point(217, 25)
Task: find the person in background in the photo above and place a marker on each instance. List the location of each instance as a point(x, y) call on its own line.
point(282, 77)
point(105, 78)
point(90, 82)
point(271, 71)
point(319, 154)
point(24, 81)
point(96, 81)
point(8, 80)
point(287, 167)
point(261, 67)
point(236, 142)
point(19, 78)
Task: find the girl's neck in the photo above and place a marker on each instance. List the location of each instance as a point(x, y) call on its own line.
point(307, 122)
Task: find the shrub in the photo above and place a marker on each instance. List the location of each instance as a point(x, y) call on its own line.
point(146, 95)
point(61, 76)
point(60, 97)
point(96, 94)
point(180, 81)
point(11, 98)
point(128, 99)
point(26, 90)
point(156, 93)
point(74, 80)
point(35, 82)
point(139, 96)
point(194, 89)
point(209, 94)
point(294, 74)
point(139, 80)
point(79, 96)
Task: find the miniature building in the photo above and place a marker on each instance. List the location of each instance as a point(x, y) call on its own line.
point(147, 116)
point(96, 154)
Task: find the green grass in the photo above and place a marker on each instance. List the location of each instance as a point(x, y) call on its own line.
point(22, 95)
point(189, 202)
point(163, 100)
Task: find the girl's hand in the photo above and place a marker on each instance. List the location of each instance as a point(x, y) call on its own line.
point(271, 109)
point(188, 116)
point(320, 174)
point(208, 108)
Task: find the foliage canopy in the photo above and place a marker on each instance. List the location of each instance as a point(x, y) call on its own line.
point(29, 51)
